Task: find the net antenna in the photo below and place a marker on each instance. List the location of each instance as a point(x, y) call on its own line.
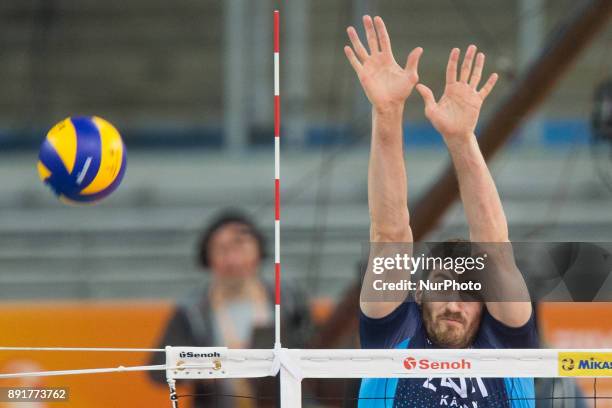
point(277, 265)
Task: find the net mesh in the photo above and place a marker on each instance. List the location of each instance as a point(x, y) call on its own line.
point(549, 393)
point(385, 378)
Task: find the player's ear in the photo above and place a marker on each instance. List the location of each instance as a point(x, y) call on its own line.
point(418, 296)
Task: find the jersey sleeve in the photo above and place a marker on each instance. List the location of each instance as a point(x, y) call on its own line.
point(503, 336)
point(389, 331)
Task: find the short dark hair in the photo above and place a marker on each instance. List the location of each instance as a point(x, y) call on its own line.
point(452, 248)
point(220, 220)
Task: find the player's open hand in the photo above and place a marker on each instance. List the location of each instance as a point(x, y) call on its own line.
point(456, 113)
point(386, 84)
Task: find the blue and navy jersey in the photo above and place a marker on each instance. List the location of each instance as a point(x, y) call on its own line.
point(404, 329)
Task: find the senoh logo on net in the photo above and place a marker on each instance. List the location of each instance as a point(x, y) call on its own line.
point(411, 363)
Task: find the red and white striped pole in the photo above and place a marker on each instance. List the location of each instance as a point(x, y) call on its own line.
point(277, 267)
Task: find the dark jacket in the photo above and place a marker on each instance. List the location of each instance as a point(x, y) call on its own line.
point(191, 325)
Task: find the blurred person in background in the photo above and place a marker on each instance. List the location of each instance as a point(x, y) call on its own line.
point(235, 308)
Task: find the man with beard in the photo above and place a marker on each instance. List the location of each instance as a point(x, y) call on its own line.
point(420, 322)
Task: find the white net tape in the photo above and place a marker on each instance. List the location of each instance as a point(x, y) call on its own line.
point(360, 363)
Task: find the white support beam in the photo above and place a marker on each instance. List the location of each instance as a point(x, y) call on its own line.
point(295, 69)
point(235, 81)
point(530, 41)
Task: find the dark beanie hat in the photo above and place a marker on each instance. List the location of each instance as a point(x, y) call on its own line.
point(221, 220)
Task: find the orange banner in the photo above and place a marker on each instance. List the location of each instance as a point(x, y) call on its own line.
point(85, 324)
point(139, 325)
point(579, 325)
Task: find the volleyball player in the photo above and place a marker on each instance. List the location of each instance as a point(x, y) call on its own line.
point(418, 323)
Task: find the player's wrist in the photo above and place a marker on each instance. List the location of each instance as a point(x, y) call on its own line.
point(460, 142)
point(391, 109)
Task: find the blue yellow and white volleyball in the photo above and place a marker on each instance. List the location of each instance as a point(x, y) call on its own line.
point(82, 159)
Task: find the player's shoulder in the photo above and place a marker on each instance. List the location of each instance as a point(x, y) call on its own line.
point(391, 330)
point(496, 334)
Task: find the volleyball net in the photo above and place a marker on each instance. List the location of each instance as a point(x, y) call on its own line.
point(461, 371)
point(293, 377)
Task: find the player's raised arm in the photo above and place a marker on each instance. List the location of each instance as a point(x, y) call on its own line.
point(387, 85)
point(455, 116)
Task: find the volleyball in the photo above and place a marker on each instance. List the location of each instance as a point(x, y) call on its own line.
point(82, 159)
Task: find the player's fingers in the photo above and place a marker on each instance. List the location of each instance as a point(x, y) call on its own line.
point(428, 97)
point(350, 55)
point(477, 73)
point(383, 35)
point(371, 34)
point(451, 67)
point(412, 62)
point(360, 50)
point(488, 86)
point(466, 67)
